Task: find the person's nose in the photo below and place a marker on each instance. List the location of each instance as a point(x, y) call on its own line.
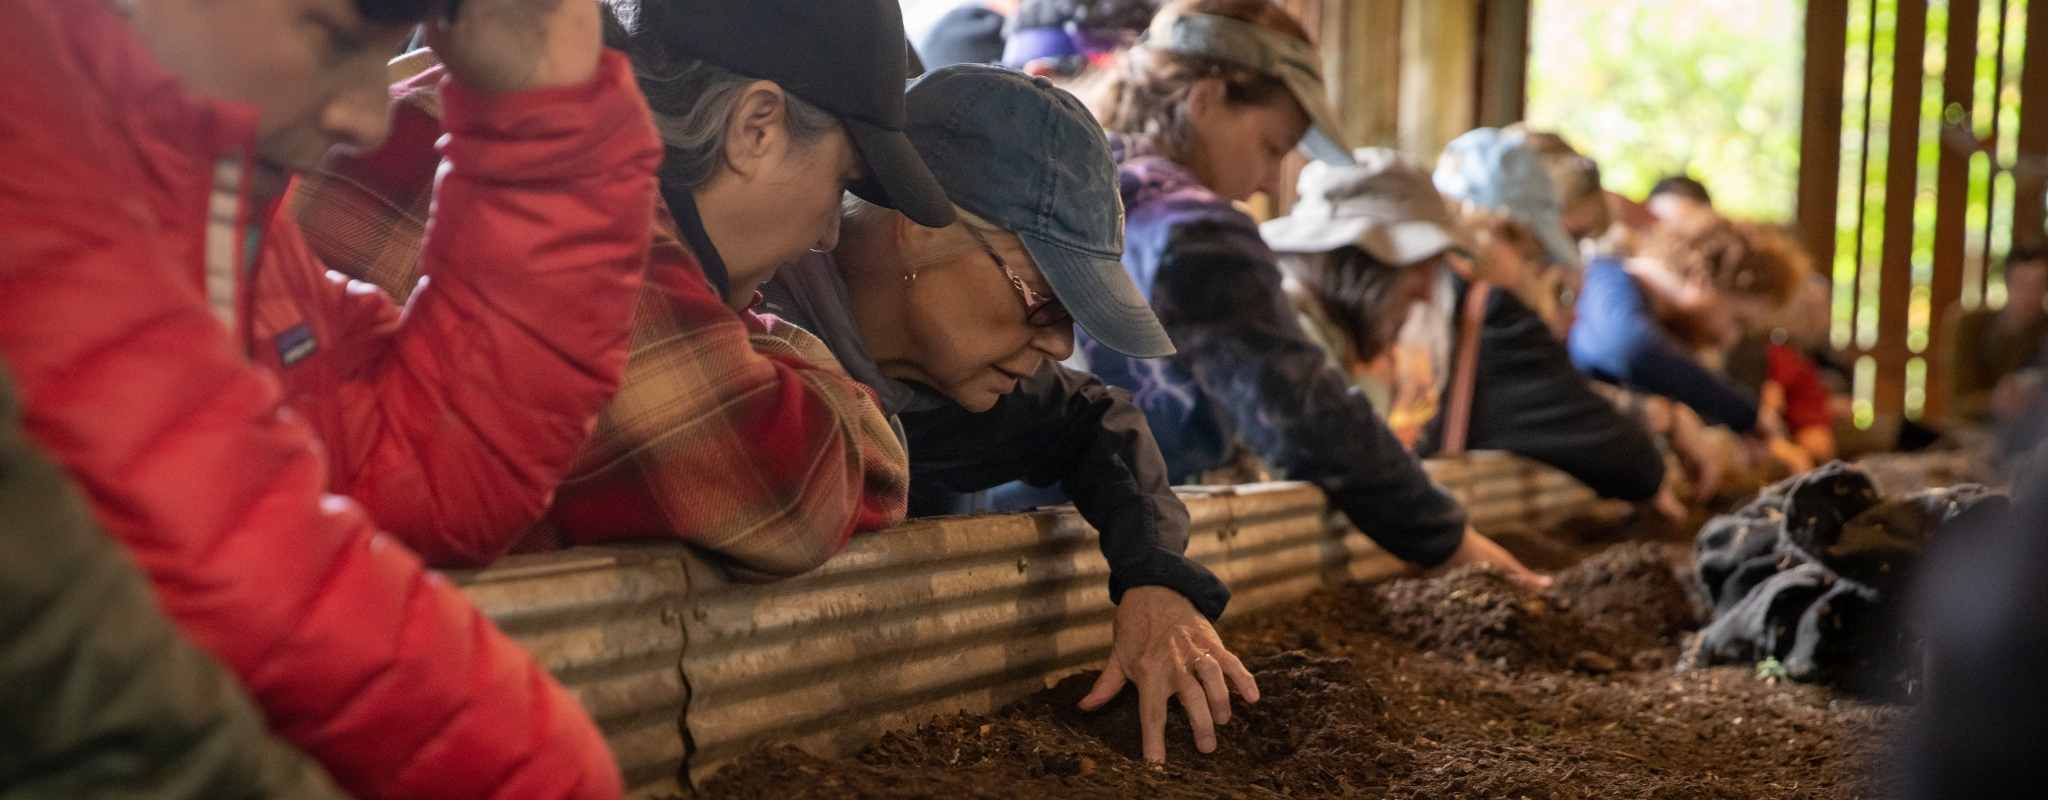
point(1269, 177)
point(829, 239)
point(1055, 341)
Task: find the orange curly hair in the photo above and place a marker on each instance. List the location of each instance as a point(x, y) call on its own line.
point(1738, 258)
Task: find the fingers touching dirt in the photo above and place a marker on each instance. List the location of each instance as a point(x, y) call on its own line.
point(1193, 667)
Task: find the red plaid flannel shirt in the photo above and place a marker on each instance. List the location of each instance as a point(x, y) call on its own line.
point(738, 433)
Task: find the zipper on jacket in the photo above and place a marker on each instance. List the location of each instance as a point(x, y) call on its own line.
point(224, 241)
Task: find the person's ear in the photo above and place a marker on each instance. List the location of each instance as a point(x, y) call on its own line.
point(1206, 98)
point(756, 129)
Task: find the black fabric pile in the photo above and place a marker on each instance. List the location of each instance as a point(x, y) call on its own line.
point(1809, 575)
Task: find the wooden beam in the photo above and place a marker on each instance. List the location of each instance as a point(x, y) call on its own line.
point(2030, 182)
point(1820, 127)
point(1503, 62)
point(1901, 178)
point(1362, 59)
point(1951, 203)
point(1439, 41)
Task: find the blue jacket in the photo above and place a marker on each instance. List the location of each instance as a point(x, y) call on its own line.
point(1246, 373)
point(1616, 339)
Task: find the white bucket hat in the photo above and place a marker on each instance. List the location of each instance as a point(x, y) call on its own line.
point(1380, 203)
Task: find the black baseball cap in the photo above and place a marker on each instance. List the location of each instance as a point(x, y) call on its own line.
point(848, 57)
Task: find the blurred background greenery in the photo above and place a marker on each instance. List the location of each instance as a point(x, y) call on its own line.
point(1649, 89)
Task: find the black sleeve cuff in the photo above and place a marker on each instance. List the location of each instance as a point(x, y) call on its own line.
point(1179, 573)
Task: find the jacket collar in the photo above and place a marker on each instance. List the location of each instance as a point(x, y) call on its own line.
point(194, 155)
point(689, 224)
point(1145, 178)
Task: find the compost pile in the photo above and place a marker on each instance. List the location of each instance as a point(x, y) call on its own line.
point(1453, 686)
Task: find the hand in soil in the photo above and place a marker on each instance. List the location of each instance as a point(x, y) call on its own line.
point(1477, 549)
point(1167, 648)
point(1667, 504)
point(1707, 463)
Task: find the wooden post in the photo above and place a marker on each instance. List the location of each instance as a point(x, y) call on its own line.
point(1901, 177)
point(1503, 62)
point(1362, 60)
point(1952, 199)
point(1439, 41)
point(2029, 182)
point(1820, 127)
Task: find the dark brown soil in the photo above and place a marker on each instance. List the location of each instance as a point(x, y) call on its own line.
point(1637, 591)
point(1477, 615)
point(1456, 686)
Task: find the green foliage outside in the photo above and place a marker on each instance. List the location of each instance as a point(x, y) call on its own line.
point(1650, 88)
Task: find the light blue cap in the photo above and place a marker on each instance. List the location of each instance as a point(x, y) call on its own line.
point(1498, 170)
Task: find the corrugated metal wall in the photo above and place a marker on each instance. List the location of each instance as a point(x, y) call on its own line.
point(608, 623)
point(685, 670)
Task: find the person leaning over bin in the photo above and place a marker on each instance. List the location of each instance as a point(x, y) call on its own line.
point(1209, 102)
point(126, 205)
point(733, 431)
point(1362, 237)
point(959, 331)
point(1537, 181)
point(452, 417)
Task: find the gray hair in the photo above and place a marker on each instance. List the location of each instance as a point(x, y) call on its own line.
point(692, 101)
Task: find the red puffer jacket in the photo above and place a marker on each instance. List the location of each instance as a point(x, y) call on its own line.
point(453, 421)
point(121, 214)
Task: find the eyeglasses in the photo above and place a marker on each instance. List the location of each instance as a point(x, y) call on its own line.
point(1039, 311)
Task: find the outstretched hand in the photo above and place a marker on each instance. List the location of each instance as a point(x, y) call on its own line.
point(515, 45)
point(1169, 649)
point(1477, 549)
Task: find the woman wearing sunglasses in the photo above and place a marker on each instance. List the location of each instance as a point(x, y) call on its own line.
point(959, 330)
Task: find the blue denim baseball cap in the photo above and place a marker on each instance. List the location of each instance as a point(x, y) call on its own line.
point(1028, 157)
point(1499, 170)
